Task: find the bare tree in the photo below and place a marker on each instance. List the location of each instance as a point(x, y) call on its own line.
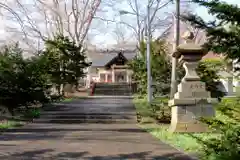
point(134, 17)
point(139, 11)
point(199, 35)
point(6, 9)
point(120, 33)
point(45, 18)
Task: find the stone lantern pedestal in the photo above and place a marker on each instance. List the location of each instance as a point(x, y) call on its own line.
point(191, 101)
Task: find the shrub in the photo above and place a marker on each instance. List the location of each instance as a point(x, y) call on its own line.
point(209, 75)
point(159, 110)
point(23, 81)
point(227, 123)
point(32, 113)
point(161, 71)
point(67, 60)
point(27, 81)
point(215, 64)
point(9, 124)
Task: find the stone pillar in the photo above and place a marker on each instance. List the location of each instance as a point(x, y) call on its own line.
point(130, 75)
point(192, 101)
point(236, 82)
point(237, 86)
point(106, 77)
point(127, 77)
point(88, 78)
point(230, 86)
point(113, 74)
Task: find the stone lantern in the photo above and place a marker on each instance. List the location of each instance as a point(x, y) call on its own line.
point(191, 101)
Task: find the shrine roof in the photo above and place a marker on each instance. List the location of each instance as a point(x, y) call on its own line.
point(100, 59)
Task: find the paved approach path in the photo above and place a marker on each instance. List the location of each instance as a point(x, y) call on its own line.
point(85, 141)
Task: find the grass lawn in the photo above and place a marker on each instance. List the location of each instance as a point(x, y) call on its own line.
point(184, 142)
point(148, 114)
point(187, 142)
point(67, 99)
point(10, 124)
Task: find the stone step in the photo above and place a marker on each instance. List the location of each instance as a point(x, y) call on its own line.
point(111, 88)
point(109, 91)
point(88, 116)
point(116, 84)
point(114, 87)
point(77, 121)
point(60, 113)
point(112, 92)
point(108, 94)
point(119, 85)
point(90, 110)
point(119, 88)
point(113, 84)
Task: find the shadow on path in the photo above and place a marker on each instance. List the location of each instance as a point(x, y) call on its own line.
point(84, 155)
point(85, 141)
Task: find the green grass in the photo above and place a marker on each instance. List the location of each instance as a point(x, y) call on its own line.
point(32, 113)
point(185, 142)
point(188, 142)
point(149, 112)
point(67, 99)
point(10, 124)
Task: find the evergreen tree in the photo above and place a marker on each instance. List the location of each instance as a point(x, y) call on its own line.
point(67, 60)
point(160, 68)
point(223, 37)
point(23, 81)
point(223, 33)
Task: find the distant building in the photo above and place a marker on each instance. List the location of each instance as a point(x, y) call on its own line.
point(109, 66)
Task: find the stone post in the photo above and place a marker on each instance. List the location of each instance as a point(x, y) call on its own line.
point(229, 76)
point(113, 74)
point(89, 77)
point(106, 77)
point(227, 82)
point(127, 76)
point(230, 86)
point(191, 101)
point(130, 75)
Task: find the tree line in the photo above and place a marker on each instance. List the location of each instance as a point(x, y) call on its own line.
point(29, 81)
